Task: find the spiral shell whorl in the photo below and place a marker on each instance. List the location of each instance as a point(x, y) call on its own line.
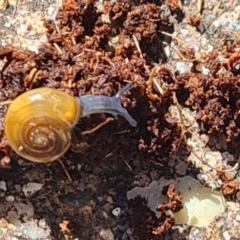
point(44, 139)
point(39, 122)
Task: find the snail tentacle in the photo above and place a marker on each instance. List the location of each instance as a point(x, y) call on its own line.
point(104, 104)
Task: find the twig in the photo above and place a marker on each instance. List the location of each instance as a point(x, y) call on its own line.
point(199, 5)
point(137, 45)
point(58, 48)
point(65, 170)
point(100, 125)
point(151, 80)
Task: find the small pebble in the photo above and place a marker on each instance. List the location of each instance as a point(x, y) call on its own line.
point(2, 194)
point(110, 200)
point(116, 211)
point(105, 215)
point(42, 223)
point(79, 167)
point(183, 67)
point(129, 232)
point(125, 236)
point(107, 234)
point(14, 238)
point(3, 186)
point(238, 218)
point(238, 195)
point(100, 199)
point(10, 198)
point(30, 188)
point(226, 235)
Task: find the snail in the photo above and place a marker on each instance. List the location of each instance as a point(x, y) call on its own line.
point(39, 122)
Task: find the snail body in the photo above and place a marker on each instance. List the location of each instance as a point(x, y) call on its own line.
point(39, 122)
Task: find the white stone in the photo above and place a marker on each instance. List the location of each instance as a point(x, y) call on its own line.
point(10, 198)
point(116, 211)
point(226, 235)
point(30, 188)
point(238, 217)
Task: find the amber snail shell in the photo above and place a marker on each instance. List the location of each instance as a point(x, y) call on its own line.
point(39, 122)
